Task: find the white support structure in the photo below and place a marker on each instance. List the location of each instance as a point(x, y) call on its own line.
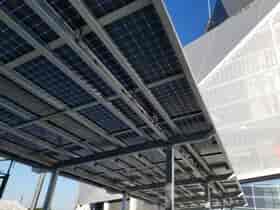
point(38, 190)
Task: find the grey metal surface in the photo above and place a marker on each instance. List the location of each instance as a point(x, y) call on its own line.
point(100, 90)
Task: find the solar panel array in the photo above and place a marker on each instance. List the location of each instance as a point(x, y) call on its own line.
point(70, 119)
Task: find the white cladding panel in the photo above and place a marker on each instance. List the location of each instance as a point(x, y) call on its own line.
point(237, 68)
point(234, 6)
point(92, 194)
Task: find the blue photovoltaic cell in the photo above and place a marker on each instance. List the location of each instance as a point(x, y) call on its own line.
point(77, 65)
point(20, 142)
point(104, 118)
point(49, 77)
point(28, 19)
point(142, 39)
point(69, 14)
point(102, 7)
point(10, 118)
point(108, 60)
point(45, 134)
point(194, 124)
point(176, 97)
point(12, 46)
point(123, 107)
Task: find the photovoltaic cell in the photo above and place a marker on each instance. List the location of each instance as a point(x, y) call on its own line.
point(28, 19)
point(194, 124)
point(10, 118)
point(142, 39)
point(104, 118)
point(12, 46)
point(69, 14)
point(45, 134)
point(123, 107)
point(76, 64)
point(108, 60)
point(102, 7)
point(49, 77)
point(176, 98)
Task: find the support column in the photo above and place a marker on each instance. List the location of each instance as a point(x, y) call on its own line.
point(50, 191)
point(208, 196)
point(124, 201)
point(37, 191)
point(170, 178)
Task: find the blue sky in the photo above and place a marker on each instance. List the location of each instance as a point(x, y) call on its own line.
point(190, 18)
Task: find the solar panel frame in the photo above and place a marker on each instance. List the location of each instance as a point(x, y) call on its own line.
point(12, 45)
point(132, 32)
point(76, 64)
point(43, 73)
point(102, 7)
point(10, 118)
point(29, 20)
point(104, 118)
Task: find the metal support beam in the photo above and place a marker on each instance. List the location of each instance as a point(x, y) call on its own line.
point(51, 189)
point(194, 138)
point(191, 181)
point(38, 190)
point(170, 178)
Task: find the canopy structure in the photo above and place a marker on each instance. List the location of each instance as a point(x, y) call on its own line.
point(100, 91)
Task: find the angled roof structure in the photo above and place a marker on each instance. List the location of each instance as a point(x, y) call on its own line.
point(100, 90)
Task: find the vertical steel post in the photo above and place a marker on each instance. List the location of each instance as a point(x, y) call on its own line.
point(169, 188)
point(37, 191)
point(124, 201)
point(208, 196)
point(50, 192)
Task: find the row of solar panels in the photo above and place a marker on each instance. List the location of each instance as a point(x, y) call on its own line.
point(65, 97)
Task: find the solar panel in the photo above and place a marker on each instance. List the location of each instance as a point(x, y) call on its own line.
point(49, 77)
point(104, 118)
point(28, 19)
point(20, 141)
point(142, 39)
point(12, 45)
point(77, 65)
point(69, 14)
point(176, 97)
point(122, 106)
point(108, 60)
point(102, 7)
point(10, 118)
point(45, 135)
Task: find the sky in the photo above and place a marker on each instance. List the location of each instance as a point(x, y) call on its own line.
point(189, 18)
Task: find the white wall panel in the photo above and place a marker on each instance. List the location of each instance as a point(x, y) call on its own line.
point(237, 69)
